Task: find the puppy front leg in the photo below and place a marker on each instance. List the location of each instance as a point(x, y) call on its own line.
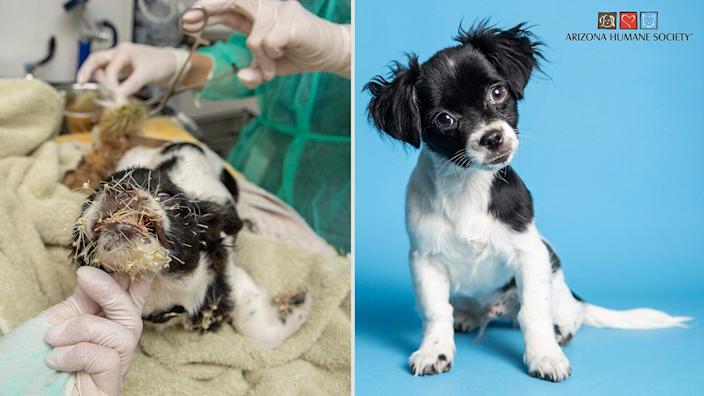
point(543, 355)
point(432, 287)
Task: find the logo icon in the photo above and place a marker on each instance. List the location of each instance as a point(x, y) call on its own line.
point(606, 20)
point(628, 20)
point(649, 20)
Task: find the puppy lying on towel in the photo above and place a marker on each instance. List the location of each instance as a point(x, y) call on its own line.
point(171, 210)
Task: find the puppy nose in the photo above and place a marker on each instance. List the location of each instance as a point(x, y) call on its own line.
point(492, 139)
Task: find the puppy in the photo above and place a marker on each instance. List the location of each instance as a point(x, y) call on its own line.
point(476, 254)
point(171, 210)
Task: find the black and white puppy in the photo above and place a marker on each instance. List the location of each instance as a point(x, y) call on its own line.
point(174, 207)
point(476, 253)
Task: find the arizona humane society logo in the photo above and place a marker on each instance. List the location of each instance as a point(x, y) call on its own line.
point(637, 21)
point(628, 20)
point(649, 20)
point(606, 20)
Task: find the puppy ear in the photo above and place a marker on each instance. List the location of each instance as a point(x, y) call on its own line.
point(232, 224)
point(218, 219)
point(394, 106)
point(230, 183)
point(514, 52)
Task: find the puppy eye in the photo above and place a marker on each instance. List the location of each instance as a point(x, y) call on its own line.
point(163, 195)
point(444, 120)
point(497, 94)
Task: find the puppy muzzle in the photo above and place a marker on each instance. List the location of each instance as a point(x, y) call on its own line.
point(129, 215)
point(126, 230)
point(493, 145)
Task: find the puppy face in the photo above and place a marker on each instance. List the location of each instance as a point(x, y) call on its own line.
point(462, 102)
point(138, 220)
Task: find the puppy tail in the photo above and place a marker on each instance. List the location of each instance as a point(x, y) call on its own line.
point(638, 318)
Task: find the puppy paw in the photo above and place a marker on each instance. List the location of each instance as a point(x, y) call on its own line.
point(465, 322)
point(431, 360)
point(291, 305)
point(567, 321)
point(551, 367)
point(563, 336)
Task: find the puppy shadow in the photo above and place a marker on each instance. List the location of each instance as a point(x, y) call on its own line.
point(501, 339)
point(387, 314)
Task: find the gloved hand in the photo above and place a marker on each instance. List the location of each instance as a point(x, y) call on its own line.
point(99, 349)
point(284, 37)
point(143, 63)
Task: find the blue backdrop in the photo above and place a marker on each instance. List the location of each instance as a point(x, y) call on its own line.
point(610, 150)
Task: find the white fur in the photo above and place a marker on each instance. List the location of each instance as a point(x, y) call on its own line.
point(460, 252)
point(195, 173)
point(637, 318)
point(187, 290)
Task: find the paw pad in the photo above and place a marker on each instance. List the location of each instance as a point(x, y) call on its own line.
point(286, 303)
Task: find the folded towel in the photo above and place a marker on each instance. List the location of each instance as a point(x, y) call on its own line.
point(36, 211)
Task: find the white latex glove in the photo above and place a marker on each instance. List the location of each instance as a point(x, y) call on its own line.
point(99, 349)
point(284, 37)
point(143, 64)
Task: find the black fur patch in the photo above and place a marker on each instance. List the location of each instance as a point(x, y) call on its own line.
point(510, 200)
point(394, 105)
point(513, 52)
point(510, 285)
point(576, 297)
point(168, 164)
point(217, 219)
point(216, 308)
point(554, 260)
point(165, 316)
point(176, 146)
point(230, 183)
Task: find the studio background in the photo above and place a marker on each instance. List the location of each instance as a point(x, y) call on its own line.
point(610, 149)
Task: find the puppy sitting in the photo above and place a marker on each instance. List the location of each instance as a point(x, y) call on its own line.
point(171, 211)
point(476, 254)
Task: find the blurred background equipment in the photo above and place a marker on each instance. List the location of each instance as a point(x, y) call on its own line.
point(30, 66)
point(49, 40)
point(26, 27)
point(216, 123)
